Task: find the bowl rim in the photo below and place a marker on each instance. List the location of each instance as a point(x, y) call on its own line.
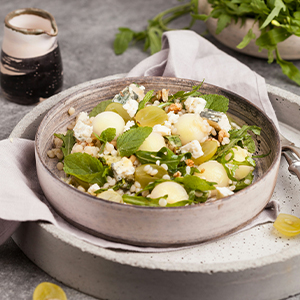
point(136, 79)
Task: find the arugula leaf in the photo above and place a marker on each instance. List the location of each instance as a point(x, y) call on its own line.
point(154, 202)
point(288, 69)
point(85, 167)
point(142, 201)
point(129, 142)
point(182, 95)
point(223, 21)
point(68, 141)
point(174, 141)
point(216, 102)
point(247, 39)
point(239, 136)
point(192, 182)
point(146, 99)
point(99, 108)
point(165, 156)
point(278, 6)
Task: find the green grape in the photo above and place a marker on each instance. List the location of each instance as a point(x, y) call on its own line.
point(118, 108)
point(287, 224)
point(48, 290)
point(150, 116)
point(209, 148)
point(144, 178)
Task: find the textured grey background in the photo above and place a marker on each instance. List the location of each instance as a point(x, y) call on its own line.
point(86, 33)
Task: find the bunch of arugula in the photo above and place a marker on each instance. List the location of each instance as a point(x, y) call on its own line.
point(277, 19)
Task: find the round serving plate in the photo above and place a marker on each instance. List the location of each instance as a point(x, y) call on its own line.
point(254, 264)
point(233, 34)
point(156, 226)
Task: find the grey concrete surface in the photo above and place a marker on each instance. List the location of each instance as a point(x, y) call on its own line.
point(86, 33)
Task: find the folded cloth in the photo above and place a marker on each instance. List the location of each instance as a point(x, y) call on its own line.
point(184, 54)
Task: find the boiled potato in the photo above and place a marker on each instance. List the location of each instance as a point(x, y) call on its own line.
point(213, 171)
point(111, 196)
point(240, 155)
point(192, 127)
point(154, 142)
point(174, 190)
point(108, 119)
point(242, 171)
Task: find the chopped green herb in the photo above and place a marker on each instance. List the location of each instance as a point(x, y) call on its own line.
point(130, 141)
point(68, 141)
point(86, 168)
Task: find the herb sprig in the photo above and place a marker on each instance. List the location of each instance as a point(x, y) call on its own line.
point(277, 19)
point(151, 36)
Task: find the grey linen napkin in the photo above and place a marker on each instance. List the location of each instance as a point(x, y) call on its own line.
point(185, 55)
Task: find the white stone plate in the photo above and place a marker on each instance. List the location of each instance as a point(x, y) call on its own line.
point(255, 264)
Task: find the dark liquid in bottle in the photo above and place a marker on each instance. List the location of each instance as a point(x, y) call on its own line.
point(30, 80)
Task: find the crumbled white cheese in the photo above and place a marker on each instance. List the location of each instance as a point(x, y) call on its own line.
point(91, 150)
point(194, 104)
point(128, 125)
point(224, 123)
point(136, 91)
point(123, 168)
point(223, 192)
point(194, 147)
point(82, 131)
point(131, 106)
point(93, 188)
point(161, 129)
point(108, 149)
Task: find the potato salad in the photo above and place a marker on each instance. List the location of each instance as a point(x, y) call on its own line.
point(154, 148)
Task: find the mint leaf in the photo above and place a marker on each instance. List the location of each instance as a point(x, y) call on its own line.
point(68, 141)
point(192, 182)
point(107, 135)
point(216, 102)
point(146, 99)
point(154, 35)
point(129, 142)
point(85, 167)
point(99, 108)
point(122, 40)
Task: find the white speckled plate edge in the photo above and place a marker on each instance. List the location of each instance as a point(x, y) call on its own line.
point(229, 256)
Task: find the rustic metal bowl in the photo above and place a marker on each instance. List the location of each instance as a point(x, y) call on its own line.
point(156, 226)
